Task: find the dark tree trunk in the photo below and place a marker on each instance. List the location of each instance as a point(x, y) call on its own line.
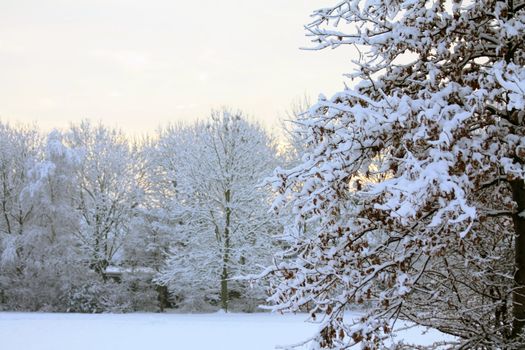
point(518, 192)
point(163, 297)
point(226, 254)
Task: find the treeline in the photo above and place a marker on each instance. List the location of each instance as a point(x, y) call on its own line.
point(91, 221)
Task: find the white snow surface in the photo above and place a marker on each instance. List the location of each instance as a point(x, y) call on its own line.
point(138, 331)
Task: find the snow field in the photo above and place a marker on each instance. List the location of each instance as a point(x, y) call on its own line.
point(219, 331)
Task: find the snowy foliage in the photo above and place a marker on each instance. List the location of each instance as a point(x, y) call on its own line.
point(413, 177)
point(47, 252)
point(107, 191)
point(89, 218)
point(223, 226)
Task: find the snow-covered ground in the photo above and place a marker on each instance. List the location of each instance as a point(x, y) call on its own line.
point(41, 331)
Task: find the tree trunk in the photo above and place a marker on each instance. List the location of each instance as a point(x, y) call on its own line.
point(224, 289)
point(518, 193)
point(162, 297)
point(226, 254)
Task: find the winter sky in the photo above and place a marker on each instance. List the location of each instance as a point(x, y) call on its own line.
point(136, 64)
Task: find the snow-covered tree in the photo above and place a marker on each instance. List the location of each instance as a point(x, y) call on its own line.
point(223, 228)
point(51, 186)
point(54, 262)
point(155, 219)
point(295, 132)
point(107, 191)
point(414, 177)
point(146, 247)
point(19, 147)
point(51, 192)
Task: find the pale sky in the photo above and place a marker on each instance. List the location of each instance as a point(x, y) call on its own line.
point(138, 64)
